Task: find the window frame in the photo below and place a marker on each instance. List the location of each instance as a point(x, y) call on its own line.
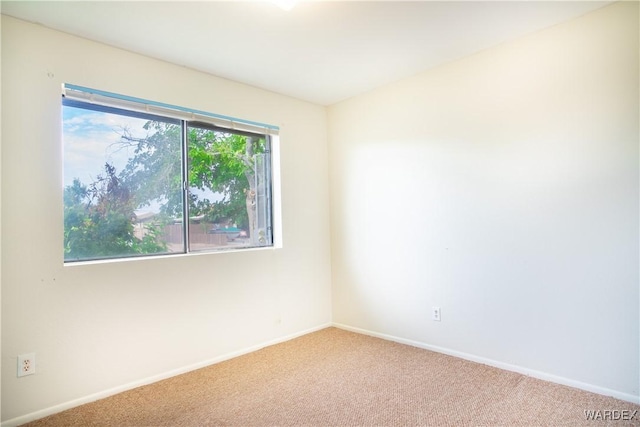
point(111, 103)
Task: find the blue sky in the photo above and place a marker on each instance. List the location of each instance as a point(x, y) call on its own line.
point(91, 138)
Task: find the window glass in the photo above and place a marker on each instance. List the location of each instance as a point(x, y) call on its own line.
point(131, 178)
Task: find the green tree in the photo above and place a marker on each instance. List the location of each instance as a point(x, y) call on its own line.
point(220, 164)
point(100, 217)
point(98, 220)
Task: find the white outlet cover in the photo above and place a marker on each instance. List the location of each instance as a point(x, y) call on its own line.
point(26, 364)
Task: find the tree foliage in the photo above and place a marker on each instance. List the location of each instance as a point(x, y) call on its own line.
point(100, 216)
point(221, 167)
point(98, 220)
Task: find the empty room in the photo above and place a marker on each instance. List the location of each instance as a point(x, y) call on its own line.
point(320, 213)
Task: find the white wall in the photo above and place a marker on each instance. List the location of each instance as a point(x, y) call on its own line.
point(503, 188)
point(97, 327)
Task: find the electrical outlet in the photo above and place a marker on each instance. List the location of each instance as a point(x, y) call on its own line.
point(26, 364)
point(435, 313)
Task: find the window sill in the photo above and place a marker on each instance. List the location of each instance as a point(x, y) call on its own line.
point(170, 255)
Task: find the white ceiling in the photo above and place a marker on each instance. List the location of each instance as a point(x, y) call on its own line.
point(321, 51)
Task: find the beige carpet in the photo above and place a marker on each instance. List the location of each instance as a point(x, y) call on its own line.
point(338, 378)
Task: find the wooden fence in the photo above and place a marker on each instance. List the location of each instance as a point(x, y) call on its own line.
point(198, 234)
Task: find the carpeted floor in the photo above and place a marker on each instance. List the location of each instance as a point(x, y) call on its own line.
point(339, 378)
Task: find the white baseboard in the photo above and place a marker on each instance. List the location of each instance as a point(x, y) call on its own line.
point(506, 366)
point(125, 387)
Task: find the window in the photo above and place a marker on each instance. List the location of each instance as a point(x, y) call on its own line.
point(143, 178)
